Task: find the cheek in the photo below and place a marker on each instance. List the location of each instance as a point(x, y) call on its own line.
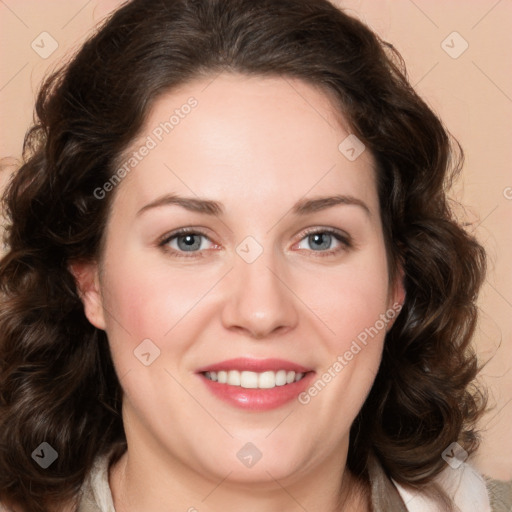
point(350, 300)
point(145, 301)
point(351, 305)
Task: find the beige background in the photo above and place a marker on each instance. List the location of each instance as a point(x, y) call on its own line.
point(472, 94)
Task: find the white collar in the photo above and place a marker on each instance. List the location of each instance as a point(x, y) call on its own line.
point(464, 485)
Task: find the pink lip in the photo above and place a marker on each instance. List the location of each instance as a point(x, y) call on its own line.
point(258, 399)
point(254, 365)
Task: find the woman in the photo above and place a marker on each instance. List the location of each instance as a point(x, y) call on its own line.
point(232, 276)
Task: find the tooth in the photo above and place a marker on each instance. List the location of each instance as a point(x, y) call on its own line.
point(267, 380)
point(254, 380)
point(281, 378)
point(249, 379)
point(234, 378)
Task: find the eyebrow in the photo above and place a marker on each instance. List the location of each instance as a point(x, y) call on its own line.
point(209, 207)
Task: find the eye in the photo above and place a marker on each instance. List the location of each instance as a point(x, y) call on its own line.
point(322, 239)
point(185, 240)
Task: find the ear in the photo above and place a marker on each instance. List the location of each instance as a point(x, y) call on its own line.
point(396, 296)
point(88, 285)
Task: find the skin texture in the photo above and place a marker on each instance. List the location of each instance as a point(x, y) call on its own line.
point(257, 145)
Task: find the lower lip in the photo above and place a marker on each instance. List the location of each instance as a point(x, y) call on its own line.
point(258, 399)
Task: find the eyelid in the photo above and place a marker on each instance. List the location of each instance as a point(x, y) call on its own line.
point(164, 239)
point(341, 236)
point(345, 237)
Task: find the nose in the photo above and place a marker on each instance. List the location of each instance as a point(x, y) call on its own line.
point(260, 302)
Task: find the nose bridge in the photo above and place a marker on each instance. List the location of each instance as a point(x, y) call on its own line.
point(260, 301)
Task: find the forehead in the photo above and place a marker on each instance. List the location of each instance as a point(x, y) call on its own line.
point(255, 139)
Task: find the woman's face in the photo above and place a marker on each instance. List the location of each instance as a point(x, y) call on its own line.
point(251, 283)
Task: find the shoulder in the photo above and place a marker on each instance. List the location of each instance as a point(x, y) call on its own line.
point(500, 494)
point(464, 484)
point(69, 507)
point(95, 495)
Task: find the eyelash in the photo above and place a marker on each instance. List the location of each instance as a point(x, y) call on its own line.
point(341, 237)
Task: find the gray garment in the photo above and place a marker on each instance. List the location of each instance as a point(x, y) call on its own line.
point(387, 495)
point(500, 494)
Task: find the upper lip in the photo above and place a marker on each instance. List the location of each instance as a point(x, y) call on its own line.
point(254, 365)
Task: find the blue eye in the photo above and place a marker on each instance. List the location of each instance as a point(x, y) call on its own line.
point(321, 239)
point(189, 240)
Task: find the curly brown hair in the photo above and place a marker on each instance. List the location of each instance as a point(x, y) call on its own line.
point(57, 379)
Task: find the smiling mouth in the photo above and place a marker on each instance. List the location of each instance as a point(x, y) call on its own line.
point(255, 380)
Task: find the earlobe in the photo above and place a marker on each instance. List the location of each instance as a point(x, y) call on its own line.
point(88, 286)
